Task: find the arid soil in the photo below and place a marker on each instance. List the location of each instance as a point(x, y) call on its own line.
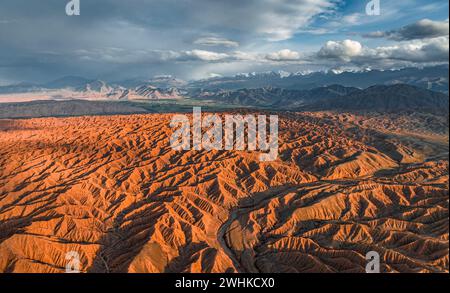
point(111, 189)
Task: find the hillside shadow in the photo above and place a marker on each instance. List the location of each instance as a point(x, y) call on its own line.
point(122, 243)
point(188, 254)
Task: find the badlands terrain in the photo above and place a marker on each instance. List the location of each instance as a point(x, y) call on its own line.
point(111, 189)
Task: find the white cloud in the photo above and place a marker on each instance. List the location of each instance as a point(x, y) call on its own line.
point(343, 50)
point(214, 75)
point(352, 19)
point(283, 55)
point(121, 56)
point(214, 41)
point(280, 19)
point(205, 55)
point(433, 50)
point(332, 54)
point(245, 56)
point(274, 20)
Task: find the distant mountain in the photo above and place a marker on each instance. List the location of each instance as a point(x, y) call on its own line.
point(261, 97)
point(162, 82)
point(335, 97)
point(380, 98)
point(276, 97)
point(328, 92)
point(67, 82)
point(95, 86)
point(280, 90)
point(102, 90)
point(432, 78)
point(388, 99)
point(78, 88)
point(98, 89)
point(148, 92)
point(23, 87)
point(66, 108)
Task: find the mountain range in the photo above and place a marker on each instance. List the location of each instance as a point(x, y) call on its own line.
point(387, 99)
point(380, 98)
point(384, 91)
point(336, 97)
point(433, 78)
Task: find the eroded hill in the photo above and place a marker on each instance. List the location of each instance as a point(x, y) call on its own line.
point(112, 189)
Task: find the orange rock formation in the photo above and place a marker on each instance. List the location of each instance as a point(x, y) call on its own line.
point(112, 189)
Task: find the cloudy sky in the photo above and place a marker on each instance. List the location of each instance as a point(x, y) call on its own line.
point(193, 39)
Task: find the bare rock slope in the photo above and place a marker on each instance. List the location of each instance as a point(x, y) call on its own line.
point(112, 190)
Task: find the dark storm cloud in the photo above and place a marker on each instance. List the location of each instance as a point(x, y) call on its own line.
point(422, 29)
point(30, 30)
point(114, 39)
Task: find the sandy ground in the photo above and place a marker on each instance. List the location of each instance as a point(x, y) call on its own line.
point(112, 189)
